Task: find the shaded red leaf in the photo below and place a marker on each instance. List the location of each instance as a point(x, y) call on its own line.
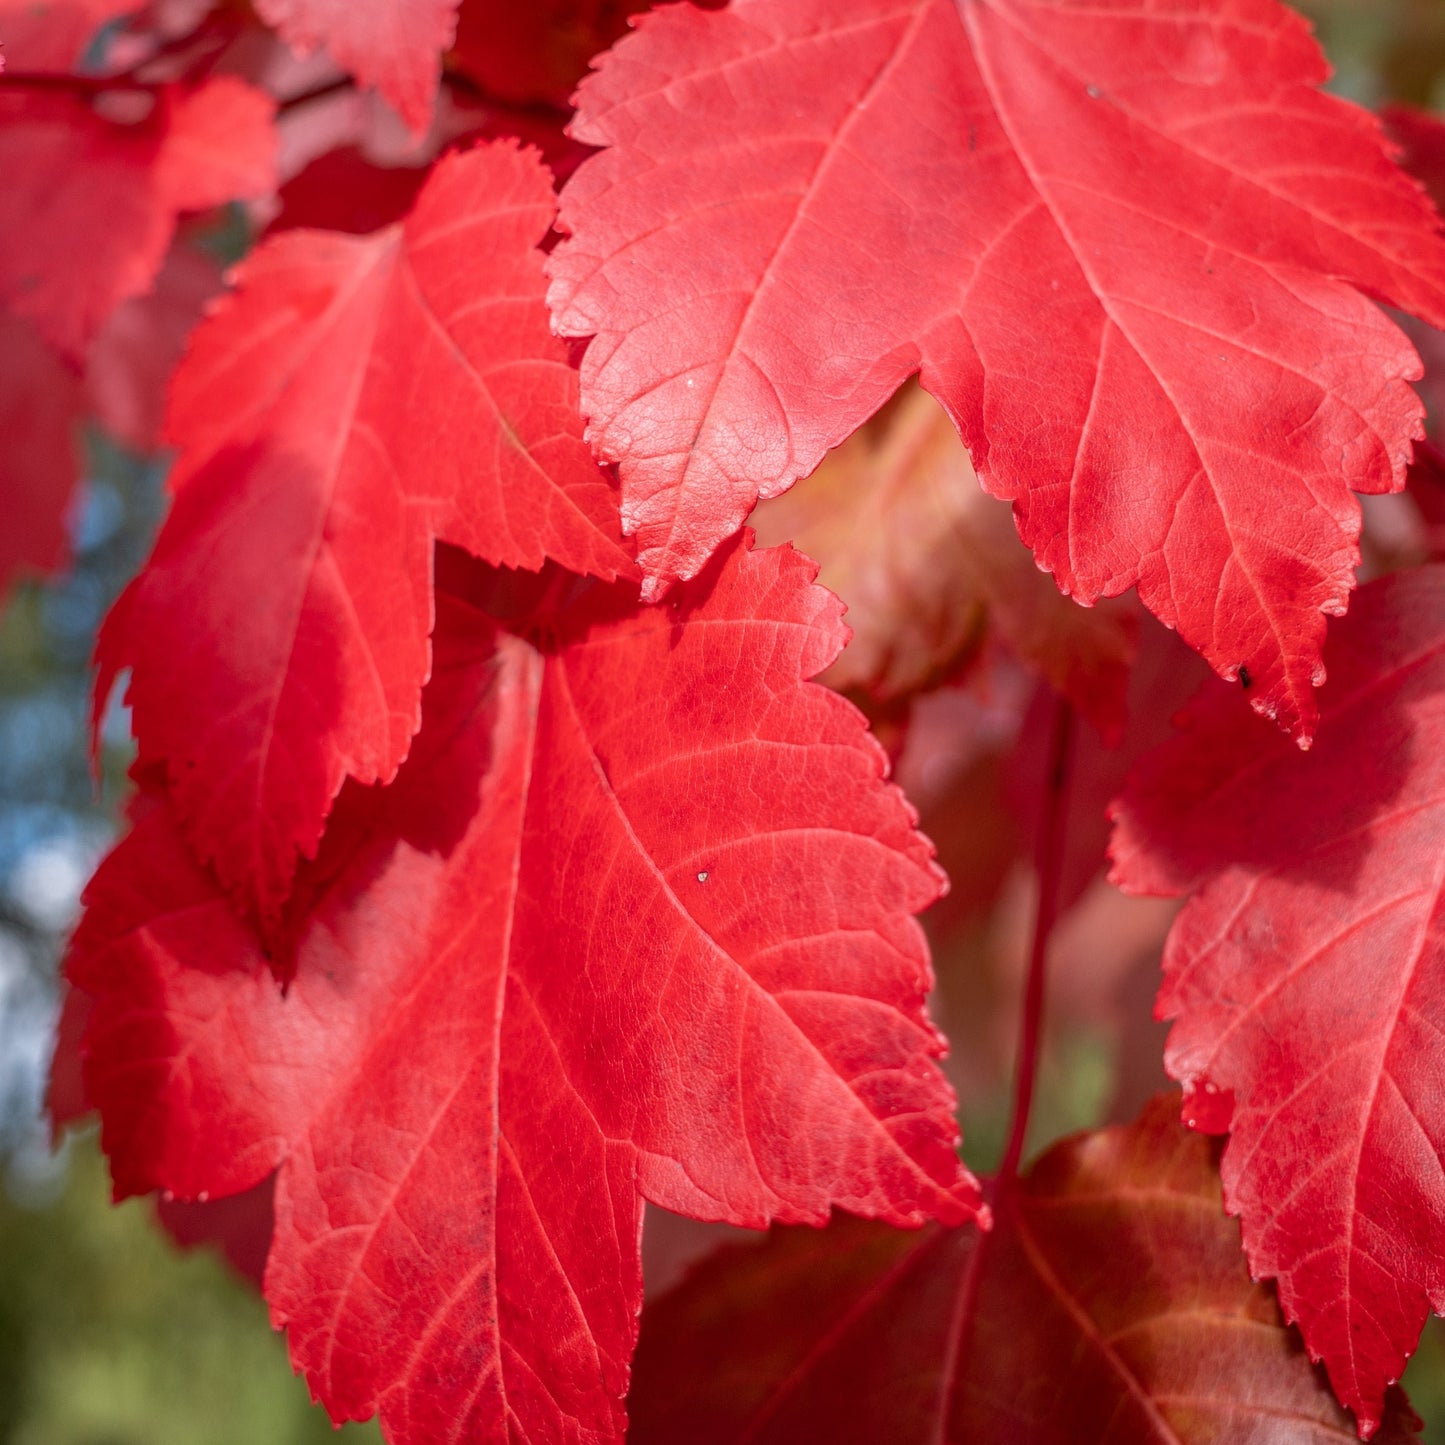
point(239, 1226)
point(1109, 1303)
point(130, 362)
point(1120, 243)
point(41, 409)
point(52, 35)
point(634, 916)
point(537, 51)
point(343, 190)
point(394, 45)
point(90, 205)
point(1307, 980)
point(928, 563)
point(355, 399)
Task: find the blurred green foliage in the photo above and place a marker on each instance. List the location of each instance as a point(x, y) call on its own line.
point(111, 1336)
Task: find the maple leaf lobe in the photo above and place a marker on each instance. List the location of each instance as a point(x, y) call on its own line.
point(753, 292)
point(1304, 978)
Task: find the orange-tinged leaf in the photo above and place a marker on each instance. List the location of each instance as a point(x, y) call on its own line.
point(926, 561)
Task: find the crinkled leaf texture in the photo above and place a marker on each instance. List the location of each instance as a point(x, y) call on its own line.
point(1123, 243)
point(1108, 1304)
point(89, 205)
point(394, 45)
point(929, 565)
point(634, 918)
point(358, 397)
point(1306, 976)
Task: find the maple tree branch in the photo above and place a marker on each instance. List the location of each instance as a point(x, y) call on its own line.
point(1049, 866)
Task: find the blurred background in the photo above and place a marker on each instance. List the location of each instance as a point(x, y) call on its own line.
point(111, 1335)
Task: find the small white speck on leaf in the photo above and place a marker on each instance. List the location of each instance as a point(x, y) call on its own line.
point(702, 877)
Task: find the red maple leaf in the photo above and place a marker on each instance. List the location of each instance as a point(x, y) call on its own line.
point(129, 364)
point(1124, 244)
point(90, 204)
point(634, 917)
point(1307, 977)
point(1108, 1304)
point(394, 45)
point(52, 35)
point(357, 398)
point(41, 406)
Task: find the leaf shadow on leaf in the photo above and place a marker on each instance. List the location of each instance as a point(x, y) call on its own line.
point(1234, 788)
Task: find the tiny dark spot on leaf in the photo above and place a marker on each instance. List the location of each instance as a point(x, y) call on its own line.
point(1245, 680)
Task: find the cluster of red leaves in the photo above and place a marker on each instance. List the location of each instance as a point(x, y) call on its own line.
point(495, 864)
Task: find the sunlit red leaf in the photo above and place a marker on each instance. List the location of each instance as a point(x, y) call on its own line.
point(1306, 976)
point(1124, 244)
point(394, 45)
point(635, 915)
point(357, 398)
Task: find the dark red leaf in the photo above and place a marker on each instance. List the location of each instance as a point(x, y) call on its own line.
point(1307, 979)
point(357, 398)
point(536, 51)
point(634, 916)
point(1125, 246)
point(1108, 1304)
point(239, 1226)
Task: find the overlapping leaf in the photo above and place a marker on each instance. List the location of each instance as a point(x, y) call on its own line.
point(394, 45)
point(90, 204)
point(927, 563)
point(357, 398)
point(40, 411)
point(1124, 244)
point(1109, 1303)
point(1306, 977)
point(538, 51)
point(634, 916)
point(129, 365)
point(52, 35)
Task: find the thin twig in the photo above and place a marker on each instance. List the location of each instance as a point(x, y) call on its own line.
point(1049, 861)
